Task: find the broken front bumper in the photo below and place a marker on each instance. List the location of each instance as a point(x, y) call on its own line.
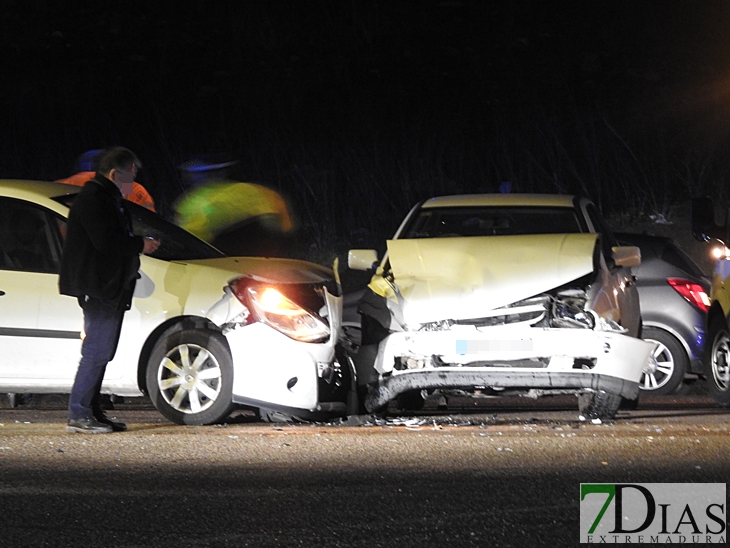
point(508, 358)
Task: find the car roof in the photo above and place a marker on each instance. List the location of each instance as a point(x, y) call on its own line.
point(15, 188)
point(466, 200)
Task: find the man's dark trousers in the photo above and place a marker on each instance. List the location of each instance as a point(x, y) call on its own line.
point(102, 325)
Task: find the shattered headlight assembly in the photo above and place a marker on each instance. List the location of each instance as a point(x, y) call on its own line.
point(569, 310)
point(607, 324)
point(270, 306)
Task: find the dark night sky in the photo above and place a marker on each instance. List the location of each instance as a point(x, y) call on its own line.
point(406, 98)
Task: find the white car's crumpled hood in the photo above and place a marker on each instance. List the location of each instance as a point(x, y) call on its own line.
point(461, 278)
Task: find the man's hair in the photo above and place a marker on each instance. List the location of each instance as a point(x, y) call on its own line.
point(117, 158)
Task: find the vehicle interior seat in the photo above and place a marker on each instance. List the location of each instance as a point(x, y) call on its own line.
point(26, 241)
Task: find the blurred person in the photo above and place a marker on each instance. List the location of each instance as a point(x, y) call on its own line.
point(239, 218)
point(99, 267)
point(86, 168)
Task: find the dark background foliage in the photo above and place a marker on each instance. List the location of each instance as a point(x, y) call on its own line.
point(356, 109)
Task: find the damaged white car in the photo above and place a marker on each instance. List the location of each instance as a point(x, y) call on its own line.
point(205, 332)
point(501, 295)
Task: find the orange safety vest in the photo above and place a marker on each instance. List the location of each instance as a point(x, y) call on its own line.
point(139, 193)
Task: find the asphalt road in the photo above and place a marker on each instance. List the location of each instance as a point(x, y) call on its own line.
point(502, 474)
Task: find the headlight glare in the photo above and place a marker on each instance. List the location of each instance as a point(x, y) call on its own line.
point(270, 306)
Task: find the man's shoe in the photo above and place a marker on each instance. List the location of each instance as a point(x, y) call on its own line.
point(87, 426)
point(116, 425)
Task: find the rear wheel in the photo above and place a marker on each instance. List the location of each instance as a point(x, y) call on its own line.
point(190, 377)
point(671, 363)
point(718, 362)
point(599, 405)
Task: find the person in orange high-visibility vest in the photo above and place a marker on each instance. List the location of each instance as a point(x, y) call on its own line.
point(86, 162)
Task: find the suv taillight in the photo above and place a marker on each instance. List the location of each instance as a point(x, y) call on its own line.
point(691, 291)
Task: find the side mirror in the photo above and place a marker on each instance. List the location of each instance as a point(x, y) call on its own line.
point(362, 259)
point(704, 227)
point(626, 255)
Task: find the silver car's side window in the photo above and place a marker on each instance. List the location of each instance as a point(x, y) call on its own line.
point(30, 237)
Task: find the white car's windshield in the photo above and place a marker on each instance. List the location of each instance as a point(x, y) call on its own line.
point(176, 244)
point(444, 222)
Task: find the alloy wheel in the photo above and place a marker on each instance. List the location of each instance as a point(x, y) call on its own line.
point(189, 378)
point(720, 362)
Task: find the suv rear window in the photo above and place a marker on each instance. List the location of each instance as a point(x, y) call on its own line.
point(676, 257)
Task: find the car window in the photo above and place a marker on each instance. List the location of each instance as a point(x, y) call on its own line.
point(676, 257)
point(30, 237)
point(491, 221)
point(176, 244)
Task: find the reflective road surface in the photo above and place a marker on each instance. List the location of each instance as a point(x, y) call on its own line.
point(503, 473)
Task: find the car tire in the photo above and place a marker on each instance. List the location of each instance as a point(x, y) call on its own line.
point(599, 405)
point(348, 379)
point(412, 400)
point(190, 377)
point(629, 405)
point(672, 363)
point(718, 362)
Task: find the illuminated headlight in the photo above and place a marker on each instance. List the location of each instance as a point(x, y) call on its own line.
point(270, 306)
point(719, 251)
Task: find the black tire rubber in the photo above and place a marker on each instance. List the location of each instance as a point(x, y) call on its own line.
point(167, 374)
point(410, 401)
point(673, 363)
point(348, 378)
point(717, 361)
point(629, 405)
point(689, 386)
point(599, 405)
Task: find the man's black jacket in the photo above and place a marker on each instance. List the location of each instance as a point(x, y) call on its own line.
point(100, 254)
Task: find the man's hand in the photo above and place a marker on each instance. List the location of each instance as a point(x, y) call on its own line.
point(150, 245)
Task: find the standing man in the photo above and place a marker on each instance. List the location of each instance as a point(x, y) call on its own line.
point(99, 267)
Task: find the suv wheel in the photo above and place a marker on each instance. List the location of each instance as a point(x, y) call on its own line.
point(718, 362)
point(672, 363)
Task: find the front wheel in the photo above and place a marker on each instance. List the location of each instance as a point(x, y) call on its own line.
point(190, 377)
point(718, 362)
point(413, 400)
point(599, 405)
